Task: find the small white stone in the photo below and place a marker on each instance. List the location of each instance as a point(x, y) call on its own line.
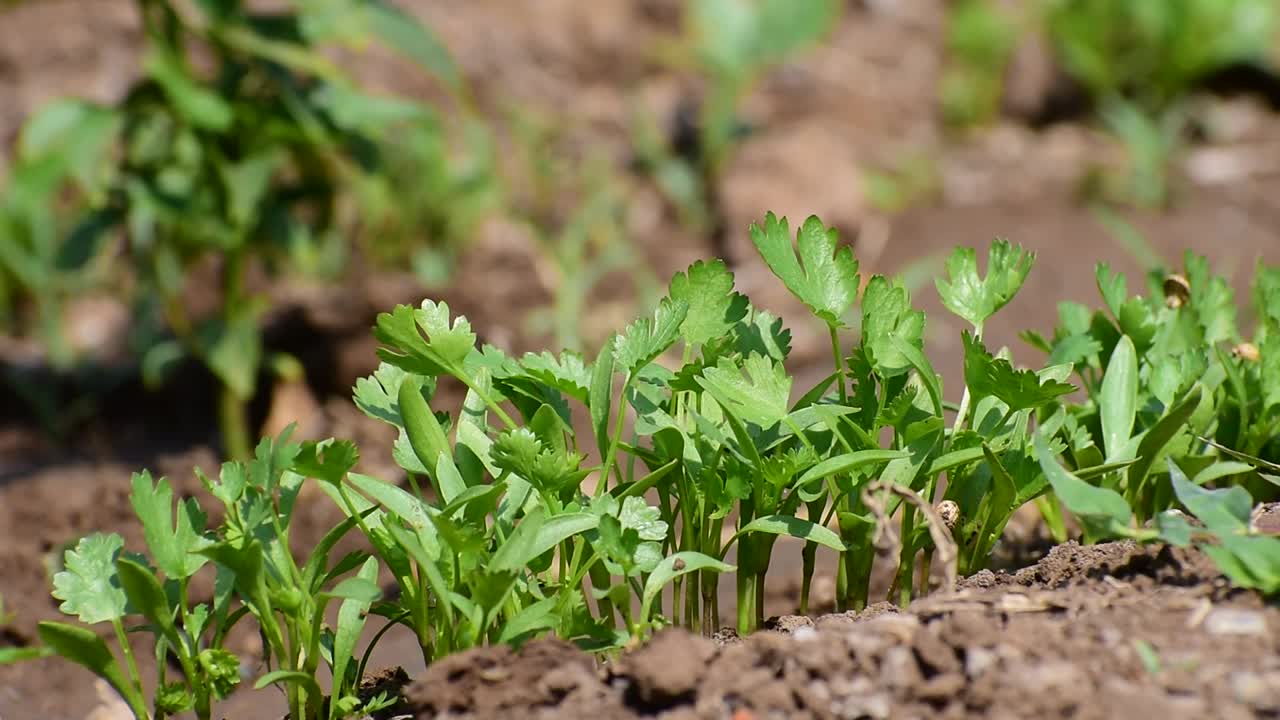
point(1233, 621)
point(977, 660)
point(1260, 691)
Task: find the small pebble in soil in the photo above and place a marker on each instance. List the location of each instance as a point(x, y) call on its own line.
point(1260, 691)
point(805, 634)
point(1235, 621)
point(977, 660)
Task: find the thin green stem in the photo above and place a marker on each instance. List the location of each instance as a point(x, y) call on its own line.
point(125, 648)
point(486, 399)
point(233, 424)
point(839, 363)
point(746, 597)
point(906, 562)
point(963, 411)
point(615, 439)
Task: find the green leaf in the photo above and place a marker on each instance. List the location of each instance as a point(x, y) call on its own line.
point(171, 541)
point(1113, 287)
point(535, 536)
point(976, 298)
point(1104, 511)
point(77, 133)
point(672, 567)
point(520, 451)
point(1118, 403)
point(423, 341)
point(887, 322)
point(232, 346)
point(403, 32)
point(377, 395)
point(1269, 368)
point(199, 106)
point(147, 597)
point(83, 647)
point(847, 462)
point(1212, 300)
point(924, 371)
point(542, 615)
point(759, 397)
point(791, 526)
point(221, 668)
point(998, 504)
point(428, 440)
point(622, 550)
point(1222, 511)
point(763, 334)
point(246, 564)
point(272, 457)
point(360, 589)
point(724, 32)
point(714, 308)
point(233, 478)
point(1159, 435)
point(295, 677)
point(247, 183)
point(636, 514)
point(788, 26)
point(1219, 470)
point(11, 655)
point(89, 587)
point(601, 396)
point(328, 460)
point(647, 338)
point(314, 569)
point(1254, 563)
point(360, 112)
point(566, 373)
point(1174, 528)
point(990, 376)
point(1074, 349)
point(629, 535)
point(955, 459)
point(922, 439)
point(824, 278)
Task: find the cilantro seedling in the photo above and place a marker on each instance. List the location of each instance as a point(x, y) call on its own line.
point(532, 520)
point(1172, 375)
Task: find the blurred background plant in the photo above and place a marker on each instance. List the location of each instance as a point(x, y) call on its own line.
point(51, 251)
point(1141, 62)
point(574, 208)
point(1152, 54)
point(728, 45)
point(227, 156)
point(1135, 65)
point(429, 198)
point(980, 39)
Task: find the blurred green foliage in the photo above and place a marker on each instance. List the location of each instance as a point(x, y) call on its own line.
point(729, 45)
point(1136, 62)
point(232, 149)
point(981, 37)
point(1154, 52)
point(1140, 61)
point(430, 187)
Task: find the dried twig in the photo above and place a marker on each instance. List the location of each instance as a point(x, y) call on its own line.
point(943, 543)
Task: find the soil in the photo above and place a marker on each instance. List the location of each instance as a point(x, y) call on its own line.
point(1106, 631)
point(1057, 640)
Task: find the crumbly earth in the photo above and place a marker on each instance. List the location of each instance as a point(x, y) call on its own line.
point(866, 100)
point(1108, 631)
